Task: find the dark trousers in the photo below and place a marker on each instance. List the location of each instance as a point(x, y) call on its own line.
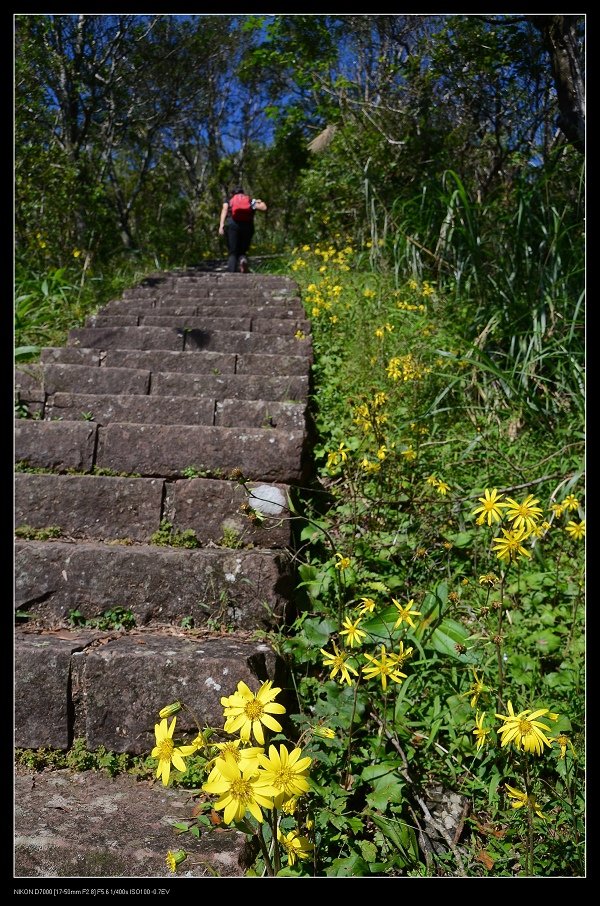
point(239, 236)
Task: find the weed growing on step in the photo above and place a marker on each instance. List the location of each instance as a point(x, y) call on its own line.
point(167, 536)
point(38, 534)
point(231, 538)
point(79, 758)
point(115, 618)
point(193, 472)
point(109, 473)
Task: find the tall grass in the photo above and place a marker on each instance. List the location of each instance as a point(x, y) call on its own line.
point(513, 267)
point(49, 303)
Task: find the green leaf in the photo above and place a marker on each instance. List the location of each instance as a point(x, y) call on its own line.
point(368, 850)
point(317, 632)
point(352, 866)
point(446, 636)
point(545, 641)
point(399, 834)
point(386, 790)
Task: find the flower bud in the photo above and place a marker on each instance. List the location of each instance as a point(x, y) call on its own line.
point(168, 710)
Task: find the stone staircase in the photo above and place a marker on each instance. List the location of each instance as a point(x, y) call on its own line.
point(180, 408)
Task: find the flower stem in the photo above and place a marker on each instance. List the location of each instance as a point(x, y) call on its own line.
point(529, 867)
point(265, 852)
point(499, 641)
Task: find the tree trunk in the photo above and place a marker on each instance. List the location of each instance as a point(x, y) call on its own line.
point(560, 39)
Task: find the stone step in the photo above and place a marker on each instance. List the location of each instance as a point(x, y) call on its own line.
point(65, 378)
point(57, 387)
point(86, 824)
point(148, 359)
point(260, 454)
point(30, 379)
point(160, 410)
point(184, 375)
point(176, 338)
point(219, 303)
point(147, 450)
point(103, 508)
point(207, 308)
point(175, 410)
point(243, 386)
point(237, 589)
point(159, 320)
point(55, 445)
point(108, 687)
point(278, 326)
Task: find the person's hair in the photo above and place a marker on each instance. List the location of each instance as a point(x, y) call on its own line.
point(239, 190)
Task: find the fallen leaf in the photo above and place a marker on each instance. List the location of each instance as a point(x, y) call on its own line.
point(486, 859)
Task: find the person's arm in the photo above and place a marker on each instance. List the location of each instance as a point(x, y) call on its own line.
point(224, 211)
point(259, 205)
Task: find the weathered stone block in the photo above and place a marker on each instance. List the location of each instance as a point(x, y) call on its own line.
point(55, 445)
point(263, 363)
point(212, 509)
point(71, 824)
point(127, 681)
point(200, 321)
point(126, 337)
point(261, 414)
point(261, 454)
point(81, 378)
point(244, 589)
point(90, 506)
point(160, 410)
point(69, 355)
point(231, 386)
point(285, 327)
point(240, 342)
point(165, 360)
point(42, 688)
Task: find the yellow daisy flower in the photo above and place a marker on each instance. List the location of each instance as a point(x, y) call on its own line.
point(295, 846)
point(576, 529)
point(491, 507)
point(286, 771)
point(337, 661)
point(519, 799)
point(510, 547)
point(405, 614)
point(524, 730)
point(386, 667)
point(166, 751)
point(480, 731)
point(523, 515)
point(246, 712)
point(241, 789)
point(354, 635)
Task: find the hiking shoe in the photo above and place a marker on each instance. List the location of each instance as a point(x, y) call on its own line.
point(244, 266)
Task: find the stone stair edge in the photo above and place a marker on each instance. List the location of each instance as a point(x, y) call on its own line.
point(152, 665)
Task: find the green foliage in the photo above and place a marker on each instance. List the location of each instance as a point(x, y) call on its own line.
point(168, 536)
point(38, 534)
point(231, 538)
point(114, 618)
point(79, 758)
point(404, 459)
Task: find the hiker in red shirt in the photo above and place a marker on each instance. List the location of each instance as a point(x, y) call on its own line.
point(237, 225)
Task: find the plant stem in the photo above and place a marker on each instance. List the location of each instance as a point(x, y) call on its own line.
point(499, 641)
point(276, 851)
point(349, 752)
point(529, 868)
point(265, 852)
